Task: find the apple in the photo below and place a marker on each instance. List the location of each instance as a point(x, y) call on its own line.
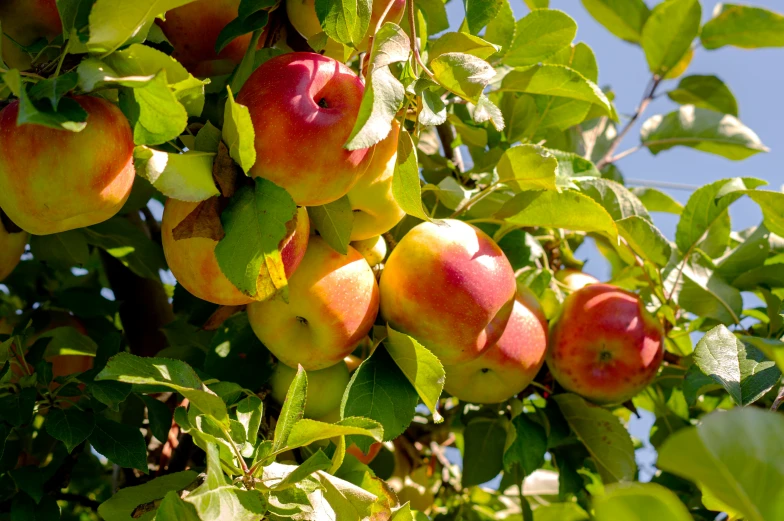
point(372, 452)
point(352, 362)
point(333, 302)
point(511, 364)
point(193, 30)
point(193, 263)
point(325, 387)
point(375, 209)
point(12, 246)
point(374, 249)
point(574, 279)
point(56, 180)
point(450, 286)
point(303, 107)
point(25, 22)
point(605, 346)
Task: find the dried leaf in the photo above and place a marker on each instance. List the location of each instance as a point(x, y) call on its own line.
point(204, 221)
point(225, 171)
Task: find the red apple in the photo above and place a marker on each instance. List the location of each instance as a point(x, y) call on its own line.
point(303, 107)
point(450, 286)
point(55, 180)
point(26, 21)
point(605, 346)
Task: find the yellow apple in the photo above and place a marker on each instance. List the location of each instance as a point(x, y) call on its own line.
point(574, 279)
point(12, 246)
point(325, 387)
point(374, 250)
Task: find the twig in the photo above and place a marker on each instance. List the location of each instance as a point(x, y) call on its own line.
point(447, 136)
point(662, 184)
point(525, 507)
point(778, 401)
point(415, 42)
point(372, 36)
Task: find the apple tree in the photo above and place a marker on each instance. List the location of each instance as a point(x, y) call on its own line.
point(320, 260)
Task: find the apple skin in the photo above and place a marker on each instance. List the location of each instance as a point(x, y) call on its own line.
point(605, 346)
point(575, 279)
point(375, 209)
point(194, 265)
point(193, 30)
point(325, 387)
point(511, 364)
point(303, 107)
point(55, 180)
point(26, 21)
point(449, 286)
point(12, 246)
point(374, 250)
point(333, 302)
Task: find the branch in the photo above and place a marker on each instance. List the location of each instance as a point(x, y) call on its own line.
point(447, 136)
point(415, 42)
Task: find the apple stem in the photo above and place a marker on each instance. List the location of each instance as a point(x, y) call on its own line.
point(62, 58)
point(372, 37)
point(415, 41)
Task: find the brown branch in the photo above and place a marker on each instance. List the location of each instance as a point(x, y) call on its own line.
point(447, 136)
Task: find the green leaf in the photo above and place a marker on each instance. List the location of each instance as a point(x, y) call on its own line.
point(405, 182)
point(484, 441)
point(53, 89)
point(561, 512)
point(486, 110)
point(640, 501)
point(773, 349)
point(94, 73)
point(571, 165)
point(745, 476)
point(619, 202)
point(17, 408)
point(159, 416)
point(172, 508)
point(111, 394)
point(243, 24)
point(557, 81)
point(623, 18)
point(657, 201)
point(121, 505)
point(669, 32)
point(539, 35)
point(744, 373)
point(772, 206)
point(701, 129)
point(71, 426)
point(316, 462)
point(306, 431)
point(293, 409)
point(529, 445)
point(603, 435)
point(235, 354)
point(433, 109)
point(707, 92)
point(157, 115)
point(771, 276)
point(186, 177)
point(69, 116)
point(745, 257)
point(422, 368)
point(579, 57)
point(743, 26)
point(527, 167)
point(460, 42)
point(121, 444)
point(345, 21)
point(567, 209)
point(110, 27)
point(480, 12)
point(23, 508)
point(64, 249)
point(174, 374)
point(249, 413)
point(239, 134)
point(67, 340)
point(462, 74)
point(645, 239)
point(501, 29)
point(706, 294)
point(334, 222)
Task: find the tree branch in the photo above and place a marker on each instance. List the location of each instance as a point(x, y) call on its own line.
point(447, 136)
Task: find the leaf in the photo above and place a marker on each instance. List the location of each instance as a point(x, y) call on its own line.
point(623, 18)
point(53, 89)
point(111, 394)
point(579, 57)
point(67, 340)
point(772, 206)
point(405, 182)
point(645, 239)
point(69, 116)
point(249, 413)
point(318, 461)
point(293, 409)
point(203, 221)
point(17, 408)
point(460, 42)
point(422, 368)
point(71, 426)
point(462, 74)
point(773, 349)
point(567, 209)
point(172, 508)
point(703, 130)
point(529, 446)
point(306, 431)
point(121, 444)
point(557, 81)
point(485, 110)
point(619, 202)
point(501, 29)
point(603, 435)
point(708, 295)
point(657, 201)
point(334, 222)
point(640, 501)
point(23, 508)
point(571, 165)
point(479, 13)
point(527, 167)
point(157, 115)
point(111, 26)
point(177, 375)
point(185, 177)
point(746, 475)
point(433, 109)
point(94, 73)
point(669, 32)
point(238, 133)
point(121, 505)
point(64, 249)
point(235, 354)
point(345, 21)
point(159, 416)
point(707, 92)
point(539, 35)
point(743, 26)
point(484, 440)
point(771, 276)
point(745, 374)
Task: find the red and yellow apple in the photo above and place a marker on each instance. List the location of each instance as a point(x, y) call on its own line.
point(325, 387)
point(511, 364)
point(193, 263)
point(574, 279)
point(333, 302)
point(605, 346)
point(303, 107)
point(375, 209)
point(193, 30)
point(450, 286)
point(25, 22)
point(12, 246)
point(55, 180)
point(374, 250)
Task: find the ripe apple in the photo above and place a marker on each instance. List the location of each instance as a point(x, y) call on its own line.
point(194, 265)
point(303, 107)
point(374, 250)
point(333, 302)
point(325, 387)
point(511, 364)
point(12, 246)
point(375, 209)
point(450, 286)
point(574, 279)
point(25, 22)
point(605, 346)
point(55, 180)
point(372, 452)
point(193, 30)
